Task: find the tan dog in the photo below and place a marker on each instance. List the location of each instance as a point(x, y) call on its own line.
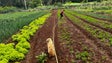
point(50, 45)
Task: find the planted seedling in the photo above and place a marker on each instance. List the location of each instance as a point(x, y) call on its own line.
point(73, 61)
point(85, 48)
point(42, 57)
point(84, 56)
point(71, 50)
point(104, 58)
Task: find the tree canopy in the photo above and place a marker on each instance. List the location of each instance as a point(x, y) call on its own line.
point(35, 3)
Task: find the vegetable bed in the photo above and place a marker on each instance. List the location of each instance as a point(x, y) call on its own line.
point(104, 37)
point(17, 50)
point(11, 23)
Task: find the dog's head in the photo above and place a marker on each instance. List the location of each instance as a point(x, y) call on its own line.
point(48, 39)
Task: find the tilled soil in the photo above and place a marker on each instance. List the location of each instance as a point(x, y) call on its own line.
point(96, 25)
point(101, 19)
point(38, 41)
point(77, 42)
point(70, 40)
point(99, 44)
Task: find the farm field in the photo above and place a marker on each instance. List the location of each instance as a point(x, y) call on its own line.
point(98, 15)
point(12, 22)
point(38, 31)
point(75, 40)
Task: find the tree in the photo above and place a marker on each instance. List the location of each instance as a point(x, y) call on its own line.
point(35, 3)
point(25, 4)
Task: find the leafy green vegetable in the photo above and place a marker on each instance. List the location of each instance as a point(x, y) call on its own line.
point(12, 52)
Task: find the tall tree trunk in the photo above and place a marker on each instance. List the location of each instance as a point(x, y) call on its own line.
point(25, 4)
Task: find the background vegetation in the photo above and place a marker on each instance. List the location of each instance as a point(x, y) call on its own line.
point(35, 3)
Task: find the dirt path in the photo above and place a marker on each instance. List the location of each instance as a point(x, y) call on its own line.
point(70, 40)
point(38, 41)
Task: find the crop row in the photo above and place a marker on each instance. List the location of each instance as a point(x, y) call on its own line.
point(15, 15)
point(10, 26)
point(7, 9)
point(16, 50)
point(101, 23)
point(102, 16)
point(96, 32)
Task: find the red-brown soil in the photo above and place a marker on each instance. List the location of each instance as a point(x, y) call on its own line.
point(96, 25)
point(69, 40)
point(38, 41)
point(96, 41)
point(78, 41)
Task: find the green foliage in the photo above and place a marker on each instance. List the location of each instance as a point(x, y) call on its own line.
point(11, 23)
point(25, 33)
point(18, 37)
point(59, 4)
point(102, 8)
point(65, 35)
point(35, 3)
point(12, 52)
point(110, 41)
point(101, 23)
point(84, 56)
point(42, 58)
point(8, 53)
point(103, 36)
point(17, 62)
point(21, 50)
point(97, 14)
point(24, 44)
point(4, 61)
point(93, 6)
point(7, 9)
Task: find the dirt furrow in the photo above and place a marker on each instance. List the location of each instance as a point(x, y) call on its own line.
point(100, 18)
point(38, 41)
point(100, 27)
point(106, 50)
point(72, 41)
